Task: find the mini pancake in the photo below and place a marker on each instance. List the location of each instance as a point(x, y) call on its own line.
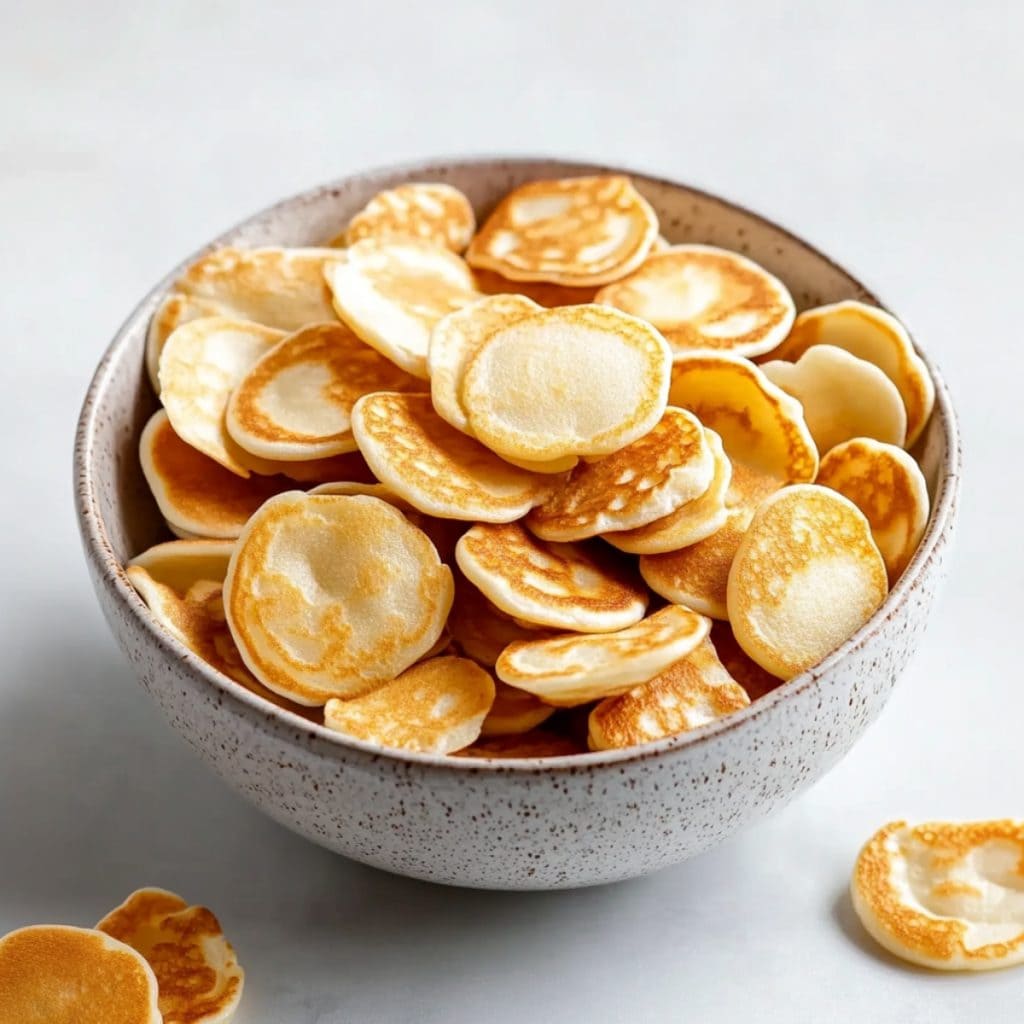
point(201, 364)
point(514, 712)
point(740, 665)
point(435, 707)
point(544, 293)
point(480, 630)
point(806, 577)
point(392, 293)
point(694, 691)
point(435, 467)
point(647, 480)
point(577, 380)
point(758, 422)
point(887, 485)
point(429, 211)
point(945, 895)
point(196, 969)
point(572, 231)
point(703, 298)
point(176, 309)
point(350, 487)
point(455, 338)
point(295, 402)
point(572, 669)
point(536, 743)
point(693, 521)
point(56, 974)
point(194, 615)
point(347, 466)
point(872, 334)
point(180, 563)
point(842, 396)
point(194, 493)
point(561, 586)
point(331, 595)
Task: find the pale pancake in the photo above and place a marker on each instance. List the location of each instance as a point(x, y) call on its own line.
point(693, 521)
point(842, 396)
point(195, 494)
point(295, 402)
point(479, 629)
point(872, 334)
point(194, 615)
point(456, 338)
point(56, 974)
point(536, 743)
point(429, 211)
point(572, 669)
point(703, 298)
point(560, 586)
point(435, 707)
point(393, 293)
point(350, 487)
point(514, 712)
point(945, 895)
point(887, 485)
point(758, 422)
point(573, 231)
point(806, 577)
point(196, 969)
point(201, 364)
point(435, 467)
point(577, 380)
point(695, 690)
point(347, 466)
point(180, 563)
point(740, 665)
point(647, 480)
point(331, 596)
point(544, 293)
point(176, 309)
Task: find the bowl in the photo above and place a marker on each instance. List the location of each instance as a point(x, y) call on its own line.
point(503, 824)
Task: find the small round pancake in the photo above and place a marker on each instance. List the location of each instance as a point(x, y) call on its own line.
point(876, 336)
point(435, 467)
point(435, 707)
point(944, 895)
point(577, 380)
point(350, 487)
point(180, 563)
point(887, 485)
point(647, 480)
point(347, 466)
point(806, 577)
point(514, 712)
point(176, 309)
point(196, 969)
point(201, 364)
point(331, 595)
point(537, 743)
point(573, 231)
point(561, 586)
point(740, 665)
point(758, 422)
point(544, 293)
point(695, 690)
point(703, 298)
point(295, 402)
point(392, 293)
point(691, 522)
point(194, 493)
point(456, 338)
point(572, 669)
point(842, 396)
point(479, 629)
point(429, 211)
point(56, 974)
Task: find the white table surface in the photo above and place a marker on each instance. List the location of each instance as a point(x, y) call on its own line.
point(890, 133)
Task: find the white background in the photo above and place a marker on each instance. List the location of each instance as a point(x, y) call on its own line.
point(891, 134)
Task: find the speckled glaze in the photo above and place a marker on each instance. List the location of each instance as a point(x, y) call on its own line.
point(501, 824)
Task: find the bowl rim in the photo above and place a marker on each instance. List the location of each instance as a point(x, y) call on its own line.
point(327, 742)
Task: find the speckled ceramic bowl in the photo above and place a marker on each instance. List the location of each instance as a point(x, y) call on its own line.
point(501, 824)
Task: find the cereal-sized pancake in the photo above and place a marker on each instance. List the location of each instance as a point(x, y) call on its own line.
point(180, 563)
point(522, 746)
point(514, 712)
point(347, 466)
point(703, 298)
point(175, 309)
point(295, 403)
point(887, 485)
point(807, 575)
point(572, 231)
point(333, 595)
point(479, 629)
point(544, 293)
point(740, 665)
point(571, 669)
point(429, 211)
point(945, 895)
point(561, 586)
point(435, 707)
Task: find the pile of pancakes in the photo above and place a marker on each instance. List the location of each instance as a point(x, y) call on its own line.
point(487, 491)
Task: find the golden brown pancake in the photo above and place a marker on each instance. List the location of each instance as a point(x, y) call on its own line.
point(180, 563)
point(479, 629)
point(514, 712)
point(175, 309)
point(544, 293)
point(740, 665)
point(429, 211)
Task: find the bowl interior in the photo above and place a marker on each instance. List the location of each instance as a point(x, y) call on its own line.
point(119, 515)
